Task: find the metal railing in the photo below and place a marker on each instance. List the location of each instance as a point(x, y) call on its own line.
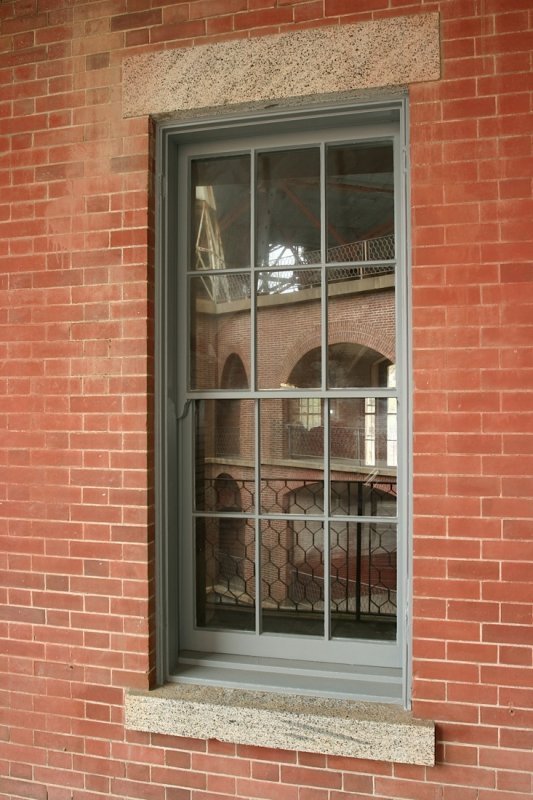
point(295, 441)
point(362, 560)
point(346, 442)
point(379, 248)
point(281, 279)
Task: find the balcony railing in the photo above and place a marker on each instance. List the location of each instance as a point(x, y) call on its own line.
point(294, 441)
point(362, 555)
point(346, 442)
point(228, 286)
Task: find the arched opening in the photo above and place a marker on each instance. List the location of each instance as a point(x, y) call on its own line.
point(228, 412)
point(233, 373)
point(362, 429)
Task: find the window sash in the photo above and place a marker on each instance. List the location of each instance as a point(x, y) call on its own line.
point(244, 642)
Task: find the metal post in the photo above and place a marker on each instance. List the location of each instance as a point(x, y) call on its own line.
point(359, 536)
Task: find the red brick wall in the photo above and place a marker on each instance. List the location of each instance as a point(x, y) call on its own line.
point(75, 383)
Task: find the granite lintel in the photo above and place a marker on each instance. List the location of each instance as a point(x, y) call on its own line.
point(290, 722)
point(332, 61)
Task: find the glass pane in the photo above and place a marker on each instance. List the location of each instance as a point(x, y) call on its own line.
point(220, 331)
point(288, 313)
point(292, 456)
point(225, 570)
point(224, 455)
point(288, 207)
point(292, 577)
point(360, 202)
point(363, 436)
point(363, 580)
point(361, 329)
point(220, 217)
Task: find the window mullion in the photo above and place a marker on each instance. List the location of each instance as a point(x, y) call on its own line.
point(325, 410)
point(253, 385)
point(323, 274)
point(253, 282)
point(327, 536)
point(257, 520)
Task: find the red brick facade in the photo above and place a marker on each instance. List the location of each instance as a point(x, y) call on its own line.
point(76, 366)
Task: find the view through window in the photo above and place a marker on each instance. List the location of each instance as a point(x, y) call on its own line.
point(318, 566)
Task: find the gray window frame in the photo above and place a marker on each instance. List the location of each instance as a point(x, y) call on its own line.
point(355, 678)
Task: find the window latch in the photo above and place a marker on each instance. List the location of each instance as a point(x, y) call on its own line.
point(184, 411)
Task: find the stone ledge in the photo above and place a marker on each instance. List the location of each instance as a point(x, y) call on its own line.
point(289, 722)
point(330, 61)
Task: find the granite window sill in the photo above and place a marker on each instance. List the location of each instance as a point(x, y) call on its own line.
point(291, 722)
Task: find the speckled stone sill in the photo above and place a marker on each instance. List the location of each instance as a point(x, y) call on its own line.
point(333, 60)
point(266, 719)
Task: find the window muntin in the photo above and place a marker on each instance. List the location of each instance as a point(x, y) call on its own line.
point(287, 286)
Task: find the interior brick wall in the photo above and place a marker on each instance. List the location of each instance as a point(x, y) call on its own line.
point(76, 311)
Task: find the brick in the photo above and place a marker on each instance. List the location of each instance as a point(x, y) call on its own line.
point(480, 735)
point(515, 655)
point(307, 793)
point(178, 31)
point(18, 788)
point(221, 784)
point(264, 790)
point(508, 42)
point(513, 781)
point(310, 777)
point(338, 7)
point(177, 777)
point(255, 19)
point(362, 784)
point(308, 11)
point(265, 771)
point(472, 776)
point(409, 790)
point(463, 693)
point(202, 9)
point(510, 634)
point(140, 19)
point(515, 738)
point(468, 610)
point(266, 753)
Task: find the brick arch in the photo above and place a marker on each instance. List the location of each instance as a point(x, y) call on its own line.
point(227, 492)
point(309, 341)
point(359, 332)
point(233, 365)
point(364, 332)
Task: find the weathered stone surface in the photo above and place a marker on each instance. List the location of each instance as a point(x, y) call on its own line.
point(332, 61)
point(293, 722)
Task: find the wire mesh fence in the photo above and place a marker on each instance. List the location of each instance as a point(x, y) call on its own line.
point(359, 568)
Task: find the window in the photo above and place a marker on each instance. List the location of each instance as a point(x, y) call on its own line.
point(282, 305)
